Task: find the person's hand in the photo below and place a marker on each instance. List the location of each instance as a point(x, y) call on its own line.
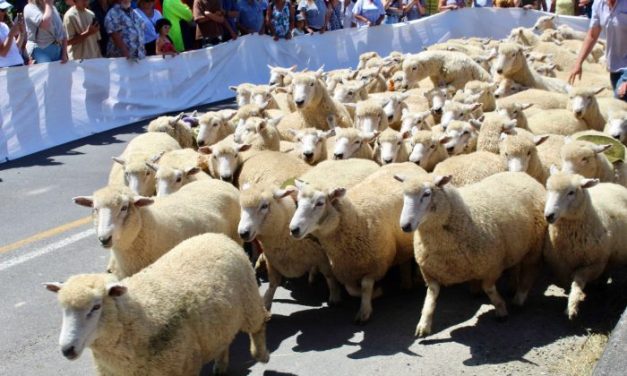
point(289, 35)
point(233, 35)
point(15, 29)
point(583, 3)
point(276, 38)
point(368, 24)
point(528, 7)
point(622, 90)
point(310, 30)
point(323, 30)
point(576, 71)
point(92, 29)
point(64, 57)
point(453, 7)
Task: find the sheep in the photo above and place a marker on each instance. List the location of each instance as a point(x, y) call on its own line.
point(587, 231)
point(265, 215)
point(314, 106)
point(444, 67)
point(369, 116)
point(515, 111)
point(478, 92)
point(242, 114)
point(338, 173)
point(214, 127)
point(453, 110)
point(225, 158)
point(280, 76)
point(427, 149)
point(462, 136)
point(350, 91)
point(260, 134)
point(334, 77)
point(269, 167)
point(390, 147)
point(490, 132)
point(265, 97)
point(557, 121)
point(399, 82)
point(474, 233)
point(540, 99)
point(242, 91)
point(176, 169)
point(546, 69)
point(178, 314)
point(547, 23)
point(617, 126)
point(365, 57)
point(373, 79)
point(588, 160)
point(521, 155)
point(507, 87)
point(355, 229)
point(470, 168)
point(436, 98)
point(350, 143)
point(311, 144)
point(486, 61)
point(139, 230)
point(393, 108)
point(130, 167)
point(175, 127)
point(511, 63)
point(413, 121)
point(526, 38)
point(593, 111)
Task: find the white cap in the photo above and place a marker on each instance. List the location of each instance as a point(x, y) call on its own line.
point(4, 4)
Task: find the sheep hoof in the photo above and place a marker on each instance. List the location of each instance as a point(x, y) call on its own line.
point(572, 313)
point(422, 330)
point(334, 301)
point(263, 358)
point(219, 368)
point(362, 318)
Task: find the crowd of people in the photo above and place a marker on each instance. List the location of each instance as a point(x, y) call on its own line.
point(39, 31)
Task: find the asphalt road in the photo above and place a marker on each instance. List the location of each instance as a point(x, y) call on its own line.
point(45, 237)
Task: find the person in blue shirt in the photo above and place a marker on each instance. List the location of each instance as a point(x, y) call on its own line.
point(251, 16)
point(368, 12)
point(414, 9)
point(482, 3)
point(231, 10)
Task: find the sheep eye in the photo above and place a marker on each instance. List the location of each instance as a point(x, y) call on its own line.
point(264, 206)
point(515, 113)
point(357, 142)
point(350, 93)
point(571, 193)
point(507, 154)
point(432, 147)
point(124, 208)
point(528, 153)
point(585, 160)
point(178, 180)
point(427, 194)
point(311, 84)
point(466, 132)
point(319, 204)
point(413, 68)
point(398, 142)
point(215, 125)
point(147, 173)
point(94, 309)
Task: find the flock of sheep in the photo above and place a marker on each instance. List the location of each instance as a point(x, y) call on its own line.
point(466, 158)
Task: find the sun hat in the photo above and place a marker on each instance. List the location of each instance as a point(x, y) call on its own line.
point(4, 4)
point(299, 16)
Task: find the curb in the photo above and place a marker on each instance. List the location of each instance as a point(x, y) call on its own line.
point(613, 361)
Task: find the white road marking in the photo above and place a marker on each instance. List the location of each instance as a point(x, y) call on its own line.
point(44, 250)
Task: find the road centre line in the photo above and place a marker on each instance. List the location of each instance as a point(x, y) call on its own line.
point(45, 234)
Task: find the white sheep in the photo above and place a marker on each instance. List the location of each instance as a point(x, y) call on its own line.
point(444, 67)
point(242, 93)
point(265, 216)
point(507, 87)
point(214, 127)
point(350, 91)
point(267, 98)
point(334, 77)
point(511, 63)
point(269, 168)
point(311, 144)
point(427, 149)
point(176, 169)
point(390, 147)
point(587, 231)
point(474, 233)
point(225, 157)
point(594, 111)
point(139, 230)
point(527, 39)
point(453, 110)
point(556, 121)
point(369, 116)
point(478, 92)
point(516, 111)
point(414, 121)
point(373, 79)
point(462, 136)
point(588, 160)
point(548, 23)
point(520, 152)
point(178, 314)
point(355, 228)
point(260, 134)
point(365, 57)
point(176, 127)
point(130, 167)
point(617, 126)
point(280, 76)
point(470, 168)
point(350, 143)
point(490, 132)
point(399, 82)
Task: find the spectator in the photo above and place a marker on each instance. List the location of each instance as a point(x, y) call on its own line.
point(335, 14)
point(414, 9)
point(163, 44)
point(147, 12)
point(100, 9)
point(126, 32)
point(251, 16)
point(300, 26)
point(565, 7)
point(349, 17)
point(83, 31)
point(231, 12)
point(451, 5)
point(609, 15)
point(482, 3)
point(47, 40)
point(279, 16)
point(175, 11)
point(10, 38)
point(368, 12)
point(316, 16)
point(211, 23)
point(393, 11)
point(531, 4)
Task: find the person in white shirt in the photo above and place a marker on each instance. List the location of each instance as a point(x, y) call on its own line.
point(10, 38)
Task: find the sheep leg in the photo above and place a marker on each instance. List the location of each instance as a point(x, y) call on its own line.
point(311, 278)
point(499, 304)
point(527, 272)
point(335, 291)
point(367, 286)
point(222, 363)
point(258, 345)
point(274, 279)
point(405, 270)
point(581, 276)
point(426, 316)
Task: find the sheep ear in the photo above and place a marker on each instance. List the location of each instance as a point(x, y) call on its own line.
point(141, 201)
point(274, 121)
point(329, 133)
point(243, 147)
point(589, 183)
point(292, 68)
point(370, 136)
point(475, 123)
point(290, 190)
point(540, 139)
point(552, 17)
point(510, 125)
point(192, 171)
point(554, 169)
point(336, 193)
point(400, 178)
point(205, 150)
point(292, 132)
point(116, 289)
point(352, 106)
point(319, 72)
point(601, 148)
point(441, 181)
point(152, 166)
point(233, 88)
point(444, 139)
point(53, 286)
point(598, 90)
point(503, 137)
point(524, 106)
point(119, 160)
point(87, 201)
point(155, 158)
point(405, 135)
point(227, 114)
point(270, 66)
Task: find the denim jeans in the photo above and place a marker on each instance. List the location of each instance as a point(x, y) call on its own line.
point(618, 78)
point(45, 55)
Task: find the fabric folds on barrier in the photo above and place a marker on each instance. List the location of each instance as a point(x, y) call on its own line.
point(46, 105)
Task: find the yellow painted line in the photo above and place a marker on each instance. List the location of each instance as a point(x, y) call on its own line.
point(45, 234)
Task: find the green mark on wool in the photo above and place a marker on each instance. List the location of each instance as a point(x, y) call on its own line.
point(288, 182)
point(614, 154)
point(160, 340)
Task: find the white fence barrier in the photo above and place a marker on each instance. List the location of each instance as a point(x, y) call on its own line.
point(50, 104)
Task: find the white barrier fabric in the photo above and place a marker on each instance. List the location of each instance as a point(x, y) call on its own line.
point(50, 104)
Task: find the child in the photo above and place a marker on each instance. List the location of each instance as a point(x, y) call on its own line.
point(300, 26)
point(164, 45)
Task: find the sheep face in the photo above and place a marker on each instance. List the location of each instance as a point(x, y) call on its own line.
point(225, 159)
point(393, 108)
point(305, 89)
point(580, 157)
point(507, 87)
point(311, 142)
point(256, 204)
point(423, 144)
point(544, 23)
point(210, 125)
point(137, 175)
point(243, 114)
point(348, 141)
point(370, 117)
point(278, 75)
point(261, 96)
point(368, 75)
point(349, 91)
point(112, 209)
point(458, 135)
point(565, 195)
point(389, 144)
point(418, 199)
point(513, 111)
point(400, 82)
point(510, 59)
point(617, 126)
point(414, 69)
point(363, 58)
point(242, 94)
point(437, 97)
point(517, 152)
point(582, 101)
point(457, 111)
point(312, 206)
point(82, 299)
point(170, 180)
point(412, 122)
